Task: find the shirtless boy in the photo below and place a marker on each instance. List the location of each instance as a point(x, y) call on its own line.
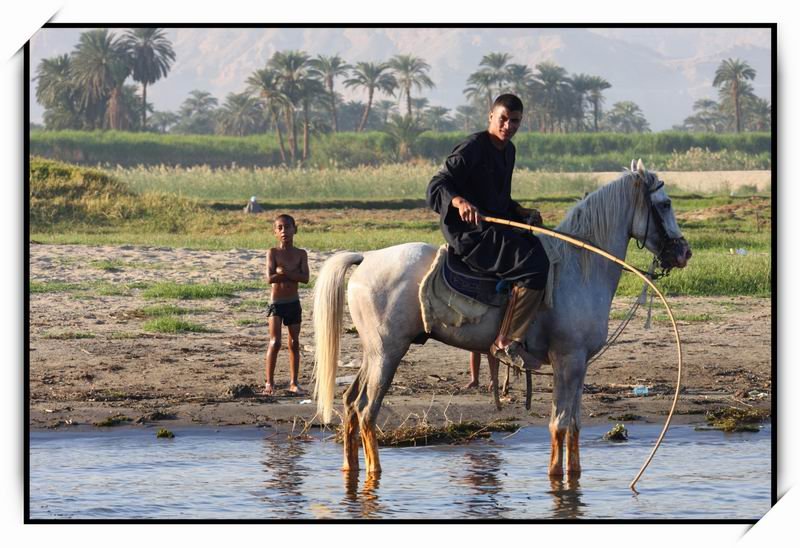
point(287, 266)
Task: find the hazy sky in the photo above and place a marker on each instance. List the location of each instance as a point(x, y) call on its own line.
point(663, 70)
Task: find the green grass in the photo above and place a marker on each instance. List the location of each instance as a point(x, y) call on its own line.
point(109, 265)
point(361, 209)
point(170, 324)
point(244, 322)
point(54, 287)
point(214, 290)
point(710, 272)
point(157, 311)
point(252, 304)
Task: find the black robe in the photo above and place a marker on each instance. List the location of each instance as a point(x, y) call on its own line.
point(481, 174)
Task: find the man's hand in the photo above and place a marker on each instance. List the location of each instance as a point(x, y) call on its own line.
point(534, 217)
point(467, 211)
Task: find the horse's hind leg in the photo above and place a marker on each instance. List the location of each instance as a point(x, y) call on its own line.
point(350, 427)
point(565, 424)
point(379, 374)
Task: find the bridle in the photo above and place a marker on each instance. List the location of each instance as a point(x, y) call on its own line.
point(661, 228)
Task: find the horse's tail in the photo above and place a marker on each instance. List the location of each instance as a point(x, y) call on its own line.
point(328, 317)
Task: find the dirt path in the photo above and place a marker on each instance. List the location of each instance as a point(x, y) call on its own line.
point(90, 358)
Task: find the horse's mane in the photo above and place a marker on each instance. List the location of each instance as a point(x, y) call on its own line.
point(594, 216)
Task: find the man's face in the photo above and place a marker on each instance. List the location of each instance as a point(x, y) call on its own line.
point(504, 124)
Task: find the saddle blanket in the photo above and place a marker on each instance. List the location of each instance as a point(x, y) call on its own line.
point(442, 304)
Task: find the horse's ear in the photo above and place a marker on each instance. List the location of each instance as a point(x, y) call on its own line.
point(633, 166)
point(640, 168)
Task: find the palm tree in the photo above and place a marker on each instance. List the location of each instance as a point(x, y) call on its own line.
point(291, 67)
point(581, 86)
point(410, 72)
point(759, 114)
point(240, 115)
point(480, 87)
point(495, 65)
point(554, 83)
point(310, 90)
point(436, 118)
point(197, 113)
point(152, 55)
point(730, 76)
point(626, 117)
point(162, 121)
point(372, 77)
point(465, 117)
point(56, 91)
point(595, 90)
point(521, 84)
point(384, 108)
point(100, 66)
point(264, 82)
point(404, 131)
point(327, 69)
point(706, 117)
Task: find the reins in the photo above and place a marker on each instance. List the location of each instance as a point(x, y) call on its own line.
point(577, 242)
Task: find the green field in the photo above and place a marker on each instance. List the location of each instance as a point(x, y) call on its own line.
point(359, 209)
point(674, 151)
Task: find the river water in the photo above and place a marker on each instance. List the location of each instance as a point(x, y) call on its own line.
point(255, 473)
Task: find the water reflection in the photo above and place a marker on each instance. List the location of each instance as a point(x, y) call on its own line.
point(566, 495)
point(364, 504)
point(285, 477)
point(481, 474)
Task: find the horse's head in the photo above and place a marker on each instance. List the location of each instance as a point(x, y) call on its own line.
point(654, 225)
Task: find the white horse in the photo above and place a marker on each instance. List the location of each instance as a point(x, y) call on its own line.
point(383, 297)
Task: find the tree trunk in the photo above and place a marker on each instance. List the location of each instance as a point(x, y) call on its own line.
point(366, 111)
point(408, 101)
point(292, 133)
point(333, 105)
point(305, 132)
point(737, 110)
point(280, 135)
point(144, 106)
point(333, 110)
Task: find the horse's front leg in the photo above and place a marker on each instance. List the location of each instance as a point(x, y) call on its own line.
point(568, 375)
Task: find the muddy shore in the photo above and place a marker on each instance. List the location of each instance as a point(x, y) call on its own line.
point(91, 359)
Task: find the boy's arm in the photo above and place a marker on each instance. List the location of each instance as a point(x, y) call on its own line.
point(300, 274)
point(304, 268)
point(275, 274)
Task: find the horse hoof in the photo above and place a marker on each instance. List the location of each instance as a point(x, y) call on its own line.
point(556, 472)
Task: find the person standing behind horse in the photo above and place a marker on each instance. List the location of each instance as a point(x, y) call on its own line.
point(476, 181)
point(287, 266)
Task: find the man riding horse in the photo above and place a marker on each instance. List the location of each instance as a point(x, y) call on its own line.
point(476, 181)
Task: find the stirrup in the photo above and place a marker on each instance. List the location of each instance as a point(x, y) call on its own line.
point(516, 356)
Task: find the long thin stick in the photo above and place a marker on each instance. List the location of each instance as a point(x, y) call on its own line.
point(584, 245)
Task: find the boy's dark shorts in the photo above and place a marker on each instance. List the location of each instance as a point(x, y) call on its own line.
point(290, 312)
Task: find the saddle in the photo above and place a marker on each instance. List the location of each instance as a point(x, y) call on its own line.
point(443, 304)
point(487, 289)
point(451, 294)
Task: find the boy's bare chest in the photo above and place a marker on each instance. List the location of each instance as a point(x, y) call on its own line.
point(287, 257)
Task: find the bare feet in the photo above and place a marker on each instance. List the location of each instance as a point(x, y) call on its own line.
point(472, 384)
point(268, 390)
point(296, 390)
